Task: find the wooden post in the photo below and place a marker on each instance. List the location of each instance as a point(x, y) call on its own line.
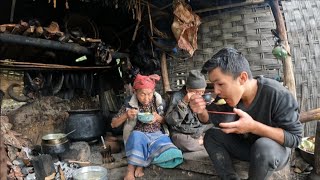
point(289, 80)
point(164, 73)
point(103, 99)
point(317, 149)
point(315, 175)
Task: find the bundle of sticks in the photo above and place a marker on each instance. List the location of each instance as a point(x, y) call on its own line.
point(33, 28)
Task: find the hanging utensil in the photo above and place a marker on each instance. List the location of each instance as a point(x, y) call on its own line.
point(106, 153)
point(104, 144)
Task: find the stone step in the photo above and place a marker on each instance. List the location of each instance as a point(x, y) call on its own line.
point(154, 172)
point(199, 162)
point(196, 165)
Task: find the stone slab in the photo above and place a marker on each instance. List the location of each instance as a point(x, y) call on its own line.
point(199, 162)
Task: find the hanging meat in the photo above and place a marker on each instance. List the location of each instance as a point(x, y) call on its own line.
point(185, 27)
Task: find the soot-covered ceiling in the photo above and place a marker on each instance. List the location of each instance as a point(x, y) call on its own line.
point(109, 15)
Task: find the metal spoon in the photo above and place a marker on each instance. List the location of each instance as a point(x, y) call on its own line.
point(69, 133)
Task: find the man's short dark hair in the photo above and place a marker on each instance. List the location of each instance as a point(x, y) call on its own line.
point(230, 61)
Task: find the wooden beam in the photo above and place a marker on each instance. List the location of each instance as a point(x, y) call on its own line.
point(164, 73)
point(289, 80)
point(247, 3)
point(311, 115)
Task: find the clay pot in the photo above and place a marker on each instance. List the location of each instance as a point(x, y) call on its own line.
point(114, 143)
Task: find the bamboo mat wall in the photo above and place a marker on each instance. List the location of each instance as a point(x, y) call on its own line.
point(303, 28)
point(247, 29)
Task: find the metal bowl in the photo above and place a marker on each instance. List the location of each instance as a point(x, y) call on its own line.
point(306, 155)
point(90, 173)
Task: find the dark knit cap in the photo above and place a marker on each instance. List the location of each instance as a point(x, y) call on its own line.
point(196, 80)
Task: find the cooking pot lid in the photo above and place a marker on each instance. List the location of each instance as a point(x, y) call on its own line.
point(53, 136)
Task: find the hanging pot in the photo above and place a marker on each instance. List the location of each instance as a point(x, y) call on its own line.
point(88, 123)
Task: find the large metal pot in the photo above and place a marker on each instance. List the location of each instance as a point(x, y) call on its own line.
point(89, 125)
point(54, 143)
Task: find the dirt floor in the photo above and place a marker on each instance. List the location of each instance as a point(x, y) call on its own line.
point(52, 116)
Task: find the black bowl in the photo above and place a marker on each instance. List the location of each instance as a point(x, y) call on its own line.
point(217, 117)
point(219, 108)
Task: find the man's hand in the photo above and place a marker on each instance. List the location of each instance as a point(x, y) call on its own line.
point(187, 97)
point(245, 124)
point(197, 104)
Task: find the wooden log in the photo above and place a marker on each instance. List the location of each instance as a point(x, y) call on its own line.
point(3, 29)
point(164, 73)
point(103, 99)
point(311, 115)
point(39, 31)
point(7, 27)
point(289, 80)
point(43, 43)
point(29, 31)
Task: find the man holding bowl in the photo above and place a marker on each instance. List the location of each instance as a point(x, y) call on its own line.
point(268, 125)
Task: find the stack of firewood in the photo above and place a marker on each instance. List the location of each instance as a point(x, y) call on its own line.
point(14, 144)
point(33, 28)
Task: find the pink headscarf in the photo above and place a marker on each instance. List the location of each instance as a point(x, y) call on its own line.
point(145, 82)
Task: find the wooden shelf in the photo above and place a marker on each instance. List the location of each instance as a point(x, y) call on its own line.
point(40, 66)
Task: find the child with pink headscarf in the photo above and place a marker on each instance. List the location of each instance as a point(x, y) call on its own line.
point(145, 143)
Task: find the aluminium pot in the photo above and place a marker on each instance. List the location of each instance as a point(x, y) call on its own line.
point(90, 173)
point(55, 143)
point(88, 123)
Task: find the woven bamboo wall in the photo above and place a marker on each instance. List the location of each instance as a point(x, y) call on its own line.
point(303, 27)
point(247, 29)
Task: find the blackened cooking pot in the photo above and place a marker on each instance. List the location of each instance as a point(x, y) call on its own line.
point(88, 123)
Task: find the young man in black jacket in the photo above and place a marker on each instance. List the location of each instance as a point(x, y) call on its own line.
point(268, 125)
